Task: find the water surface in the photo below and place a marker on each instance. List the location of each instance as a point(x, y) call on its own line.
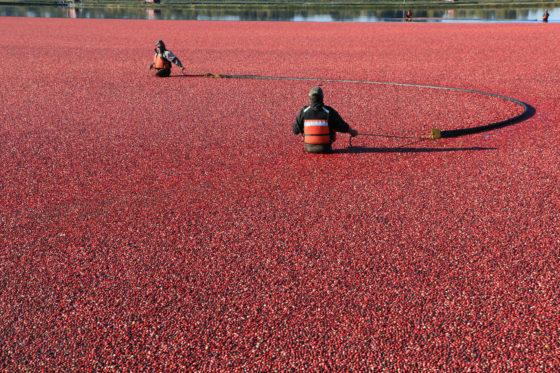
point(313, 14)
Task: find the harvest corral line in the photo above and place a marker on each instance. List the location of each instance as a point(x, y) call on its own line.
point(528, 110)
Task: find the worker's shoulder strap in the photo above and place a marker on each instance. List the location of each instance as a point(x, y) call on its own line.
point(309, 107)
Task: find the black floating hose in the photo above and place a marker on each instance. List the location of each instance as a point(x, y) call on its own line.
point(528, 111)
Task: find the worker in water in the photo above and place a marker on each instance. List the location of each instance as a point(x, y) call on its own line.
point(545, 16)
point(319, 123)
point(163, 59)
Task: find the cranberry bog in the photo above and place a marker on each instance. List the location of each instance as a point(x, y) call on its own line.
point(176, 223)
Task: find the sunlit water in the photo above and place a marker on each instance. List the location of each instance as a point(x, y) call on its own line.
point(315, 14)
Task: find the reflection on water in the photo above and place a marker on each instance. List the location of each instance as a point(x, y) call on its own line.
point(316, 14)
point(153, 13)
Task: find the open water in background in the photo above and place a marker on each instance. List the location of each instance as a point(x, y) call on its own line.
point(311, 14)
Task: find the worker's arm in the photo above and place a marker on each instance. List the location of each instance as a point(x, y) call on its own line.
point(169, 56)
point(297, 127)
point(338, 124)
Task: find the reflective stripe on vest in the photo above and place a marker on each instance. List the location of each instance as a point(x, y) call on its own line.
point(316, 131)
point(161, 63)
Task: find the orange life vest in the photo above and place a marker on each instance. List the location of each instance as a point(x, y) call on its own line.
point(316, 131)
point(161, 63)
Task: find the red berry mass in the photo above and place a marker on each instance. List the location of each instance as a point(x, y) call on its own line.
point(176, 223)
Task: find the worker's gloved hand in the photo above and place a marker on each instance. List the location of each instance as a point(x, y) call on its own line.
point(353, 132)
point(151, 66)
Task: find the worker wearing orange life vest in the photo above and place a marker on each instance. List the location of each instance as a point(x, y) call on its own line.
point(163, 59)
point(545, 16)
point(319, 123)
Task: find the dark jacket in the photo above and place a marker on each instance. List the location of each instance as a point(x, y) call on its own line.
point(169, 56)
point(336, 123)
point(320, 111)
